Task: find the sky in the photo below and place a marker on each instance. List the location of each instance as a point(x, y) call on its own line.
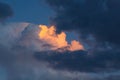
point(59, 40)
point(31, 11)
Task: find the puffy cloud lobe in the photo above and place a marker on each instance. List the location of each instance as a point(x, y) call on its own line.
point(35, 38)
point(5, 11)
point(22, 35)
point(49, 35)
point(97, 17)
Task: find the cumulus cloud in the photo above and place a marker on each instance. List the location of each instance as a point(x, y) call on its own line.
point(23, 57)
point(49, 35)
point(18, 42)
point(26, 55)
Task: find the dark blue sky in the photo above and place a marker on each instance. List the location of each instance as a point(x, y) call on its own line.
point(33, 11)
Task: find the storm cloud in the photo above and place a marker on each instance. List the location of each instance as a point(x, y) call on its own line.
point(81, 61)
point(97, 22)
point(99, 18)
point(23, 57)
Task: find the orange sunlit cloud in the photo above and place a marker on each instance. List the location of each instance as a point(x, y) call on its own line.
point(49, 35)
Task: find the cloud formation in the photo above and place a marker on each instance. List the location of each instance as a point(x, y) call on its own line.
point(80, 60)
point(49, 35)
point(18, 42)
point(23, 57)
point(99, 18)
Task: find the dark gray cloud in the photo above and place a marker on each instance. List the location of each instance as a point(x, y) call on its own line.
point(99, 18)
point(81, 61)
point(5, 11)
point(96, 18)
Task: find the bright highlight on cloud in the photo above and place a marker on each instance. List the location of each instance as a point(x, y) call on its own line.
point(49, 35)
